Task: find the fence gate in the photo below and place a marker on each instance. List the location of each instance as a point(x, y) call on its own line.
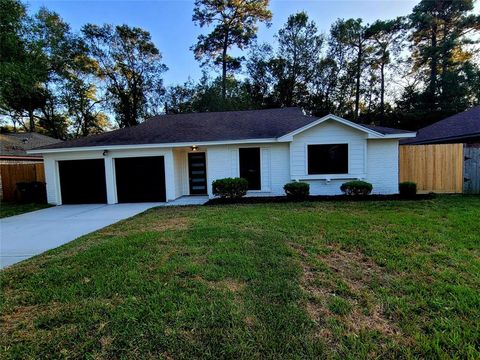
point(471, 170)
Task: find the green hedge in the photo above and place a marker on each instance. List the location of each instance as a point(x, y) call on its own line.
point(230, 188)
point(356, 187)
point(297, 190)
point(407, 188)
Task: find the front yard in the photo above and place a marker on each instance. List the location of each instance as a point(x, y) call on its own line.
point(303, 280)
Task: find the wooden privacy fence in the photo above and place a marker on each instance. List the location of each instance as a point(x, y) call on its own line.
point(434, 168)
point(11, 174)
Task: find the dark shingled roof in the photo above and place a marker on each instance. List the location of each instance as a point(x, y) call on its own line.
point(203, 127)
point(458, 127)
point(386, 130)
point(16, 144)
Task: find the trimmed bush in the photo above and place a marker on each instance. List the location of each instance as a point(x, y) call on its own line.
point(356, 188)
point(297, 190)
point(230, 188)
point(407, 189)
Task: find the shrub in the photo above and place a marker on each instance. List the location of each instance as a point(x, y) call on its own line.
point(297, 190)
point(356, 187)
point(230, 188)
point(408, 189)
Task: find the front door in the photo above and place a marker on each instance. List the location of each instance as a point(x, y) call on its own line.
point(197, 172)
point(250, 167)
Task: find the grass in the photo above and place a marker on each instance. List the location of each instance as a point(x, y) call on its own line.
point(390, 279)
point(10, 209)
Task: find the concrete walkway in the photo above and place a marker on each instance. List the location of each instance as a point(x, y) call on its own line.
point(29, 234)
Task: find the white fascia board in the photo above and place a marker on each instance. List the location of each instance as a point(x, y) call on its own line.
point(371, 133)
point(151, 146)
point(398, 136)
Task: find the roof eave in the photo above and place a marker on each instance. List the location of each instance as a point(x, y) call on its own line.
point(400, 136)
point(151, 146)
point(449, 138)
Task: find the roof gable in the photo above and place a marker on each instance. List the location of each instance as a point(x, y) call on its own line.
point(374, 132)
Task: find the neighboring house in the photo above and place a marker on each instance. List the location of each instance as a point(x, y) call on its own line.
point(14, 146)
point(13, 151)
point(463, 128)
point(170, 156)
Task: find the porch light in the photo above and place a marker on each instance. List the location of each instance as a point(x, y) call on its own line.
point(194, 147)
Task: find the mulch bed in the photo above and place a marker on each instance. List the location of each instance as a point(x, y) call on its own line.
point(284, 199)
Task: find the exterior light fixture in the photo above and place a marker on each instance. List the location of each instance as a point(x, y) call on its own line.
point(105, 152)
point(194, 147)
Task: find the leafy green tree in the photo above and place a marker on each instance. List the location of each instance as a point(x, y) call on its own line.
point(179, 98)
point(439, 30)
point(387, 37)
point(40, 57)
point(130, 66)
point(206, 95)
point(235, 23)
point(209, 95)
point(65, 55)
point(23, 66)
point(353, 35)
point(323, 96)
point(299, 52)
point(259, 76)
point(84, 109)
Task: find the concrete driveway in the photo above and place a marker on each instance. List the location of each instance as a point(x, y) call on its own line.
point(29, 234)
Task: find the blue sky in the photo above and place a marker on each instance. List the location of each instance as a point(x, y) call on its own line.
point(173, 32)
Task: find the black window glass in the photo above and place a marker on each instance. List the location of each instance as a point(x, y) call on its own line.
point(328, 159)
point(250, 167)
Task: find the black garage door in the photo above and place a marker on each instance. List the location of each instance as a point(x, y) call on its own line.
point(83, 181)
point(140, 179)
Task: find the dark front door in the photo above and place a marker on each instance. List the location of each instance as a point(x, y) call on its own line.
point(140, 179)
point(250, 167)
point(82, 181)
point(197, 172)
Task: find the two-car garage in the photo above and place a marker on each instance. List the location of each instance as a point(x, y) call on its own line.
point(137, 179)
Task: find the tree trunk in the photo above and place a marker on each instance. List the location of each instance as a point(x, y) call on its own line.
point(32, 120)
point(433, 68)
point(224, 67)
point(382, 89)
point(445, 58)
point(357, 86)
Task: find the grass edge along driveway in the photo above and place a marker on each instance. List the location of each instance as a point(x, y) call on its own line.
point(8, 209)
point(303, 280)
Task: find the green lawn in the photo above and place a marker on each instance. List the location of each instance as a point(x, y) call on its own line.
point(10, 209)
point(397, 279)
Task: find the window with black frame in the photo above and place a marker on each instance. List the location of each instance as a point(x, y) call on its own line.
point(327, 159)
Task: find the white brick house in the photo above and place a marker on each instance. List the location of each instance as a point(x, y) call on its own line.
point(178, 155)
